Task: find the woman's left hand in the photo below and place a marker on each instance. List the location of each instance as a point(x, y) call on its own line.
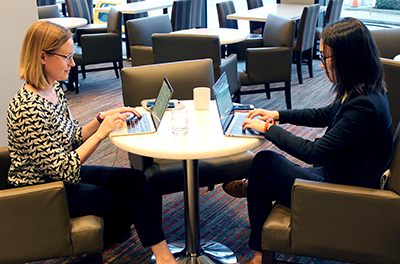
point(118, 113)
point(255, 124)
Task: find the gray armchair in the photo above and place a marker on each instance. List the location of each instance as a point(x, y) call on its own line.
point(100, 48)
point(166, 176)
point(48, 11)
point(272, 61)
point(338, 222)
point(387, 40)
point(35, 223)
point(140, 31)
point(391, 70)
point(178, 47)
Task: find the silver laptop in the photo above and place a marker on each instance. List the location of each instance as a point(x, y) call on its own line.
point(150, 121)
point(231, 121)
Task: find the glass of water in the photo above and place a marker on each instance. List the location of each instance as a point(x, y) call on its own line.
point(179, 121)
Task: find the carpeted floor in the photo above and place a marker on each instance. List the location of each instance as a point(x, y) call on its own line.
point(223, 219)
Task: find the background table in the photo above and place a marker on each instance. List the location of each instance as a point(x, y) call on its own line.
point(261, 13)
point(226, 35)
point(68, 22)
point(204, 140)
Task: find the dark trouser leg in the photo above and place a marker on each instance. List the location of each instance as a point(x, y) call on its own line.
point(271, 177)
point(120, 195)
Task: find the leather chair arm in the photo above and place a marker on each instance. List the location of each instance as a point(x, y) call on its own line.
point(48, 228)
point(141, 55)
point(229, 65)
point(97, 48)
point(273, 60)
point(322, 219)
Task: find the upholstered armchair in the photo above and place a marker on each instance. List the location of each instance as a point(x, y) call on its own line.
point(48, 11)
point(166, 176)
point(100, 48)
point(35, 223)
point(178, 47)
point(271, 61)
point(140, 31)
point(339, 222)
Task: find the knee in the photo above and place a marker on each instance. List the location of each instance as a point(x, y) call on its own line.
point(261, 162)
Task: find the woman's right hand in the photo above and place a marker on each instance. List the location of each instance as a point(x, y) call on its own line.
point(263, 114)
point(110, 123)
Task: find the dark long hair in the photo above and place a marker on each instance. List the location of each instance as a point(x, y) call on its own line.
point(356, 63)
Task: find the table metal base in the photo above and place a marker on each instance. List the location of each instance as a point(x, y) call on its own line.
point(210, 252)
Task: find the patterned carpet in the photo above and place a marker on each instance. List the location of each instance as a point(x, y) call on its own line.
point(223, 219)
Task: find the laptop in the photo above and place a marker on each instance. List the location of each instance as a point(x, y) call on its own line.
point(150, 121)
point(231, 121)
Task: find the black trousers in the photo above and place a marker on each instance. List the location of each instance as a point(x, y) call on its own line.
point(122, 197)
point(271, 177)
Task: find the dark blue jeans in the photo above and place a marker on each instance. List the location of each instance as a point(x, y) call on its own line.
point(271, 177)
point(122, 197)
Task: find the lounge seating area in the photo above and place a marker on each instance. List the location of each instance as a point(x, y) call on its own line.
point(358, 225)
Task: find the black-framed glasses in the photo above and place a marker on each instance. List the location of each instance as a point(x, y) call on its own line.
point(67, 58)
point(323, 58)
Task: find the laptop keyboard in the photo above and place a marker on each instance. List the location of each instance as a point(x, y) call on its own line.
point(237, 126)
point(139, 125)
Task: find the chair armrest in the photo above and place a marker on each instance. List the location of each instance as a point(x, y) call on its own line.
point(356, 221)
point(229, 65)
point(104, 47)
point(276, 61)
point(34, 215)
point(141, 55)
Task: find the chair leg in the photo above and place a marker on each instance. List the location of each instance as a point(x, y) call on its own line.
point(267, 257)
point(116, 69)
point(288, 95)
point(83, 71)
point(210, 187)
point(310, 62)
point(298, 59)
point(267, 90)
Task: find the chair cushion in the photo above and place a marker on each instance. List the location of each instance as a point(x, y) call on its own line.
point(87, 234)
point(276, 230)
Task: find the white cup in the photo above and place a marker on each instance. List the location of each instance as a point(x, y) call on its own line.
point(201, 97)
point(179, 121)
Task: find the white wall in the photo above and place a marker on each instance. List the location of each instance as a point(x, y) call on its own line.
point(15, 19)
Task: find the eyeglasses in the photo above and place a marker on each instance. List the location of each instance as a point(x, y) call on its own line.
point(67, 58)
point(323, 58)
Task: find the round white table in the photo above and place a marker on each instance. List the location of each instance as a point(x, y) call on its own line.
point(203, 140)
point(68, 22)
point(226, 35)
point(397, 58)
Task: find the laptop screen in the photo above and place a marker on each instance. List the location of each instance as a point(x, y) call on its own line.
point(161, 103)
point(224, 100)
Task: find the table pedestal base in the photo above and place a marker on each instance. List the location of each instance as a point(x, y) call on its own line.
point(210, 252)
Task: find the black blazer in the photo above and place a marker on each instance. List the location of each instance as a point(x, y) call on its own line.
point(357, 146)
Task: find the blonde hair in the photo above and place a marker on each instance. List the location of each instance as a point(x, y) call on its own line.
point(41, 36)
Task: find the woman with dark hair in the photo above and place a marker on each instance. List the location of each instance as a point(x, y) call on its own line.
point(357, 146)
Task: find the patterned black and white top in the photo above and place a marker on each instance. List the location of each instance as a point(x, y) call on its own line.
point(42, 138)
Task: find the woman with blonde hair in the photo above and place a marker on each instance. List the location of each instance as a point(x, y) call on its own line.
point(46, 144)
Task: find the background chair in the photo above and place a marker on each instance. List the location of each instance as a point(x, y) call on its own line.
point(45, 2)
point(387, 40)
point(166, 176)
point(48, 11)
point(338, 222)
point(140, 31)
point(271, 61)
point(391, 70)
point(35, 223)
point(181, 15)
point(304, 42)
point(226, 8)
point(332, 14)
point(255, 26)
point(178, 47)
point(100, 48)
